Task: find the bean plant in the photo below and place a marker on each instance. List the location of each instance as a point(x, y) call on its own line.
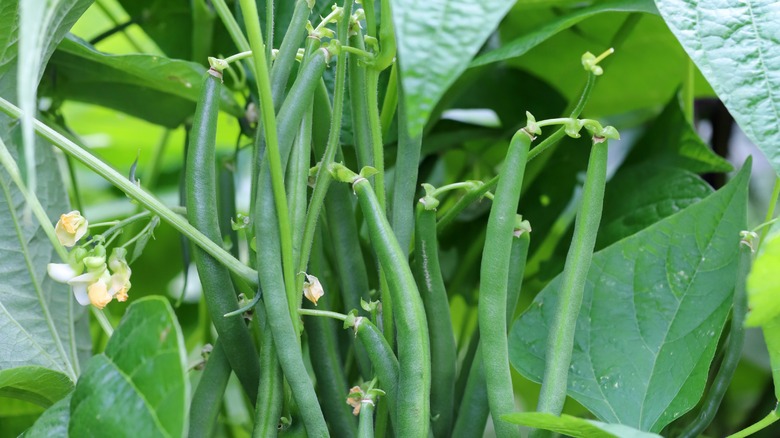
point(389, 218)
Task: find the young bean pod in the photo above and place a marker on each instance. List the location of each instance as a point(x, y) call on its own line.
point(214, 276)
point(434, 297)
point(270, 393)
point(494, 275)
point(207, 398)
point(413, 345)
point(560, 340)
point(407, 163)
point(285, 58)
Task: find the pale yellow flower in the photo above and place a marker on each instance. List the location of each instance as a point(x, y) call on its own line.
point(71, 227)
point(120, 278)
point(98, 294)
point(312, 289)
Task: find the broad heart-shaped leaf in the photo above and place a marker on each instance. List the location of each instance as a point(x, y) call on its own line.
point(150, 87)
point(435, 44)
point(519, 46)
point(575, 427)
point(735, 45)
point(653, 309)
point(138, 386)
point(42, 326)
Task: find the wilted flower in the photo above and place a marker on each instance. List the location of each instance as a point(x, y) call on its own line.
point(71, 227)
point(312, 289)
point(120, 278)
point(98, 293)
point(354, 399)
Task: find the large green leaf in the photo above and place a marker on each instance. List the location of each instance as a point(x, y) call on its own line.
point(41, 340)
point(150, 87)
point(138, 386)
point(53, 422)
point(575, 427)
point(654, 306)
point(435, 44)
point(735, 45)
point(523, 43)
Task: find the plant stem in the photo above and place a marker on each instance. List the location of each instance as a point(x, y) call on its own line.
point(323, 313)
point(390, 101)
point(770, 212)
point(763, 423)
point(273, 156)
point(101, 318)
point(231, 25)
point(142, 196)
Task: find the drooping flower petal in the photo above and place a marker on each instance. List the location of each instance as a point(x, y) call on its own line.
point(312, 289)
point(61, 272)
point(71, 227)
point(80, 284)
point(98, 294)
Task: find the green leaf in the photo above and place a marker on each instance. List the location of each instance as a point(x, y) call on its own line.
point(42, 323)
point(671, 141)
point(523, 43)
point(435, 44)
point(138, 386)
point(738, 54)
point(763, 284)
point(34, 384)
point(641, 195)
point(574, 426)
point(150, 87)
point(763, 288)
point(655, 304)
point(53, 422)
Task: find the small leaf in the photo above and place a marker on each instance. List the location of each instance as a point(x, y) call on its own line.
point(739, 55)
point(523, 44)
point(141, 243)
point(655, 304)
point(139, 383)
point(574, 426)
point(435, 44)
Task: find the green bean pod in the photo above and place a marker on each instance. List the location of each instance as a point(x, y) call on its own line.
point(733, 350)
point(270, 393)
point(414, 381)
point(207, 399)
point(494, 273)
point(385, 363)
point(434, 297)
point(358, 99)
point(560, 340)
point(322, 334)
point(285, 58)
point(473, 411)
point(366, 425)
point(407, 163)
point(215, 277)
point(296, 181)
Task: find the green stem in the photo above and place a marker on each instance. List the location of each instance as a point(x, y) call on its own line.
point(560, 340)
point(207, 399)
point(102, 319)
point(372, 82)
point(390, 101)
point(273, 156)
point(231, 25)
point(238, 56)
point(770, 211)
point(323, 313)
point(688, 89)
point(323, 176)
point(142, 196)
point(763, 423)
